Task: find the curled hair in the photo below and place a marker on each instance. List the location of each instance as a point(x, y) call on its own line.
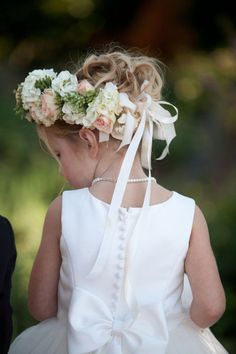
point(124, 69)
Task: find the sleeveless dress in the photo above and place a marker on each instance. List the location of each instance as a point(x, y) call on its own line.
point(137, 305)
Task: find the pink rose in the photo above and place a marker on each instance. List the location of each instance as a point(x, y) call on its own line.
point(49, 108)
point(35, 112)
point(84, 86)
point(103, 124)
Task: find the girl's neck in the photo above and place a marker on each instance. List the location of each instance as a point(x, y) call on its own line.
point(111, 167)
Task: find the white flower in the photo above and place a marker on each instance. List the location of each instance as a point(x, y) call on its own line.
point(42, 73)
point(106, 104)
point(29, 92)
point(109, 98)
point(65, 83)
point(70, 115)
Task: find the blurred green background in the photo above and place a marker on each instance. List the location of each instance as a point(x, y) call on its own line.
point(197, 44)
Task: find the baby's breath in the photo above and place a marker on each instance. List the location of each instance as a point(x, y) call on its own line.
point(80, 102)
point(90, 95)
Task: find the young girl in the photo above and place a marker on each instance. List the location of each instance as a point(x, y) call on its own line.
point(109, 274)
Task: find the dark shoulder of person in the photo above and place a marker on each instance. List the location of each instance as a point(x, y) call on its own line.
point(8, 256)
point(7, 244)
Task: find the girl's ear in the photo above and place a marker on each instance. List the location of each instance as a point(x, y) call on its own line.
point(90, 138)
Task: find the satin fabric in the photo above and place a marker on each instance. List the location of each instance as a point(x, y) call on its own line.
point(87, 322)
point(95, 327)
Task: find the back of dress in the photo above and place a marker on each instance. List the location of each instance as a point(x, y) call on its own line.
point(134, 304)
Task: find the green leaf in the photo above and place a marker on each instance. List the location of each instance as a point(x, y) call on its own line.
point(19, 104)
point(44, 83)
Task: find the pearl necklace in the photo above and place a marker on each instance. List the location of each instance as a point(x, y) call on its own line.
point(132, 180)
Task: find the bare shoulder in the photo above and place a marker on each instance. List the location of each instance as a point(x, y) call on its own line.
point(198, 214)
point(200, 227)
point(199, 244)
point(52, 223)
point(55, 206)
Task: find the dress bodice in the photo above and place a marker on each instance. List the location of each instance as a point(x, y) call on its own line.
point(135, 301)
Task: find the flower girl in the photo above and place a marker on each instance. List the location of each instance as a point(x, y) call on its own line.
point(116, 250)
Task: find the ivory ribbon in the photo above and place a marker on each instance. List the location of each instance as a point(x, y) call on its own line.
point(155, 122)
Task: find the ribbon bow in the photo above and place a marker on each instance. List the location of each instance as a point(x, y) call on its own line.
point(91, 327)
point(159, 124)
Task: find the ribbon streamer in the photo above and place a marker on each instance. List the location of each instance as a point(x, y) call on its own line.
point(155, 123)
point(151, 113)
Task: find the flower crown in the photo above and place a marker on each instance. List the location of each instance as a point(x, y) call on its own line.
point(45, 97)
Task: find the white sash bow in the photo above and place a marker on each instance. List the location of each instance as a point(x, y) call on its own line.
point(91, 327)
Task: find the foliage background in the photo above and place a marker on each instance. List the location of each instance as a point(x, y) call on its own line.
point(199, 48)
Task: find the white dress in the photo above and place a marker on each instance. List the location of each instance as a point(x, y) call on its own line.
point(134, 306)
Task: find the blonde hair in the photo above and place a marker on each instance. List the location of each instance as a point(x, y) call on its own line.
point(127, 69)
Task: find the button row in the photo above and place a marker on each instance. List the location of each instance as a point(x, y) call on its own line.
point(120, 259)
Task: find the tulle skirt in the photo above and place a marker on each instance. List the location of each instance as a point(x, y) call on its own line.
point(50, 337)
point(47, 337)
point(188, 338)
